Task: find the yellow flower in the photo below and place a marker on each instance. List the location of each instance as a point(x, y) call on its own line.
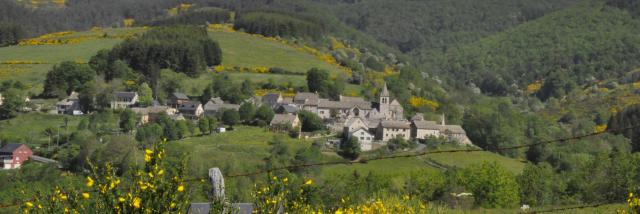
point(136, 202)
point(147, 158)
point(161, 172)
point(29, 204)
point(85, 195)
point(172, 205)
point(63, 197)
point(120, 199)
point(39, 206)
point(180, 188)
point(148, 151)
point(308, 182)
point(285, 180)
point(89, 182)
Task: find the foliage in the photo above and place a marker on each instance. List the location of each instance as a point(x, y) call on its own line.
point(539, 185)
point(310, 121)
point(523, 55)
point(67, 77)
point(145, 94)
point(398, 143)
point(264, 114)
point(12, 103)
point(622, 123)
point(200, 16)
point(153, 188)
point(10, 34)
point(318, 81)
point(128, 120)
point(350, 148)
point(247, 112)
point(184, 49)
point(491, 185)
point(275, 24)
point(230, 117)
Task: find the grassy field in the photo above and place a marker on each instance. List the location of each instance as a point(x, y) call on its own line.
point(30, 63)
point(465, 159)
point(245, 50)
point(30, 127)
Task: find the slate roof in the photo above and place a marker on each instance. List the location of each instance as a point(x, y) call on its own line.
point(453, 129)
point(216, 100)
point(151, 109)
point(351, 99)
point(306, 98)
point(385, 91)
point(283, 119)
point(190, 106)
point(125, 95)
point(395, 124)
point(351, 121)
point(9, 148)
point(288, 109)
point(425, 124)
point(324, 103)
point(210, 106)
point(271, 98)
point(180, 96)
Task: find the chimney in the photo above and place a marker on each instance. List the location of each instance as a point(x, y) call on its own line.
point(443, 120)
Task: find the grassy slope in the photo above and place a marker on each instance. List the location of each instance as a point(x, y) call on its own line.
point(239, 49)
point(30, 127)
point(245, 50)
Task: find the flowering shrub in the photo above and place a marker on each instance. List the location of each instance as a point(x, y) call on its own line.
point(634, 205)
point(295, 196)
point(534, 87)
point(419, 102)
point(151, 190)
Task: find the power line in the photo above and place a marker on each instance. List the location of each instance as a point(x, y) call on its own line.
point(364, 161)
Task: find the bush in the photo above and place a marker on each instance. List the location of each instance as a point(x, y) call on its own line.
point(310, 122)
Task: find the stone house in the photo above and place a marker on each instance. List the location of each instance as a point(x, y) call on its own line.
point(423, 129)
point(282, 122)
point(70, 105)
point(307, 101)
point(176, 99)
point(152, 113)
point(216, 106)
point(365, 138)
point(191, 109)
point(122, 99)
point(271, 99)
point(390, 129)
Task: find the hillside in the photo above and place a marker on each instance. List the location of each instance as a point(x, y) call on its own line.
point(588, 42)
point(29, 61)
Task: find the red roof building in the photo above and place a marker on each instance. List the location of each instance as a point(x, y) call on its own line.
point(13, 155)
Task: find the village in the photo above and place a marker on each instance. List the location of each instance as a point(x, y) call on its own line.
point(371, 123)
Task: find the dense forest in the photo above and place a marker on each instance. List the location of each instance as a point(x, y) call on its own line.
point(582, 44)
point(200, 16)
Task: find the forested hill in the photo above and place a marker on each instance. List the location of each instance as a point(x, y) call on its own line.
point(573, 46)
point(425, 28)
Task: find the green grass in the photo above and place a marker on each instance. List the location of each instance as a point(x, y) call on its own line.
point(30, 127)
point(238, 49)
point(463, 160)
point(245, 50)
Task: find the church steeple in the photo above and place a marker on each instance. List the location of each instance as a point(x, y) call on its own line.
point(385, 91)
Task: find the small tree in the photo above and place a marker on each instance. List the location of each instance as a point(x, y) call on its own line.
point(264, 114)
point(310, 122)
point(350, 148)
point(247, 111)
point(13, 102)
point(203, 125)
point(213, 124)
point(127, 120)
point(230, 117)
point(146, 95)
point(491, 184)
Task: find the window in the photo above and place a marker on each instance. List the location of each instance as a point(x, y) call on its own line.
point(368, 138)
point(361, 138)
